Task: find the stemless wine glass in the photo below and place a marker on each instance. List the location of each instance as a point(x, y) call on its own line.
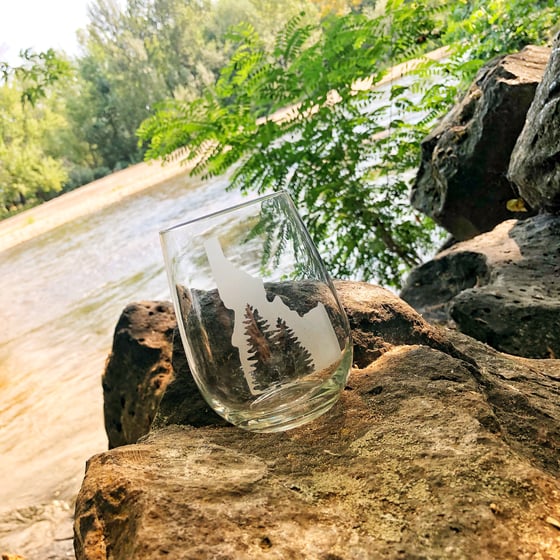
point(266, 338)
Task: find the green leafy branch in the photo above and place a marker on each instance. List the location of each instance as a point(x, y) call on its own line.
point(38, 72)
point(293, 118)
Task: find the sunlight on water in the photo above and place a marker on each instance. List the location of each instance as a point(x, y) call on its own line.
point(61, 295)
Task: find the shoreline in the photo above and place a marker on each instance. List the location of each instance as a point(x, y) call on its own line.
point(85, 200)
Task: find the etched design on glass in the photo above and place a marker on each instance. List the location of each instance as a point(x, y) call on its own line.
point(273, 340)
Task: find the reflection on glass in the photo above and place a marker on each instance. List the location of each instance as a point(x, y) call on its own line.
point(267, 340)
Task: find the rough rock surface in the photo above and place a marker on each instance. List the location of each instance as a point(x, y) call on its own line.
point(502, 287)
point(440, 447)
point(535, 161)
point(462, 180)
point(137, 370)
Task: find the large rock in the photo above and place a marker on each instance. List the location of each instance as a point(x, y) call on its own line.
point(138, 370)
point(502, 287)
point(535, 161)
point(439, 448)
point(462, 181)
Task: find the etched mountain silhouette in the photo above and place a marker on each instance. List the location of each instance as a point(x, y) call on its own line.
point(275, 343)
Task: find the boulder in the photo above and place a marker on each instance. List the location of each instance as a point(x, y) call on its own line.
point(462, 181)
point(535, 161)
point(502, 287)
point(138, 370)
point(439, 447)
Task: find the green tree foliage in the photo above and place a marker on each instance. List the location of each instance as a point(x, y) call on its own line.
point(322, 150)
point(133, 56)
point(28, 172)
point(151, 50)
point(341, 7)
point(486, 28)
point(34, 131)
point(290, 117)
point(36, 74)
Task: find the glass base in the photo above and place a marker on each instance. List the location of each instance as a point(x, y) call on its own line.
point(286, 407)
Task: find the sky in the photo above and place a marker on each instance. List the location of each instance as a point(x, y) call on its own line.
point(40, 24)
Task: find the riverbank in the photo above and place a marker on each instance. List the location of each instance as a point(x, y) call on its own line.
point(84, 200)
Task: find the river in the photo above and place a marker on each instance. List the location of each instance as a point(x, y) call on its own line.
point(61, 294)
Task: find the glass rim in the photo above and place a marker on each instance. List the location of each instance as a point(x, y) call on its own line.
point(224, 211)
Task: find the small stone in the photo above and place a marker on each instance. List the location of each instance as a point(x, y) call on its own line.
point(138, 370)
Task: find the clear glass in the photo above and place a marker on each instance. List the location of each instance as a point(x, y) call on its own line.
point(266, 338)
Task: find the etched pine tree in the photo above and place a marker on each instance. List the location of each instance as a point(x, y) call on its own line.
point(289, 354)
point(259, 341)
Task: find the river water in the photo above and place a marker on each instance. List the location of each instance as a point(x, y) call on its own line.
point(61, 295)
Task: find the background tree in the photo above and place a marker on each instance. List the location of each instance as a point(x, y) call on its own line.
point(37, 73)
point(132, 57)
point(152, 50)
point(27, 171)
point(341, 7)
point(35, 134)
